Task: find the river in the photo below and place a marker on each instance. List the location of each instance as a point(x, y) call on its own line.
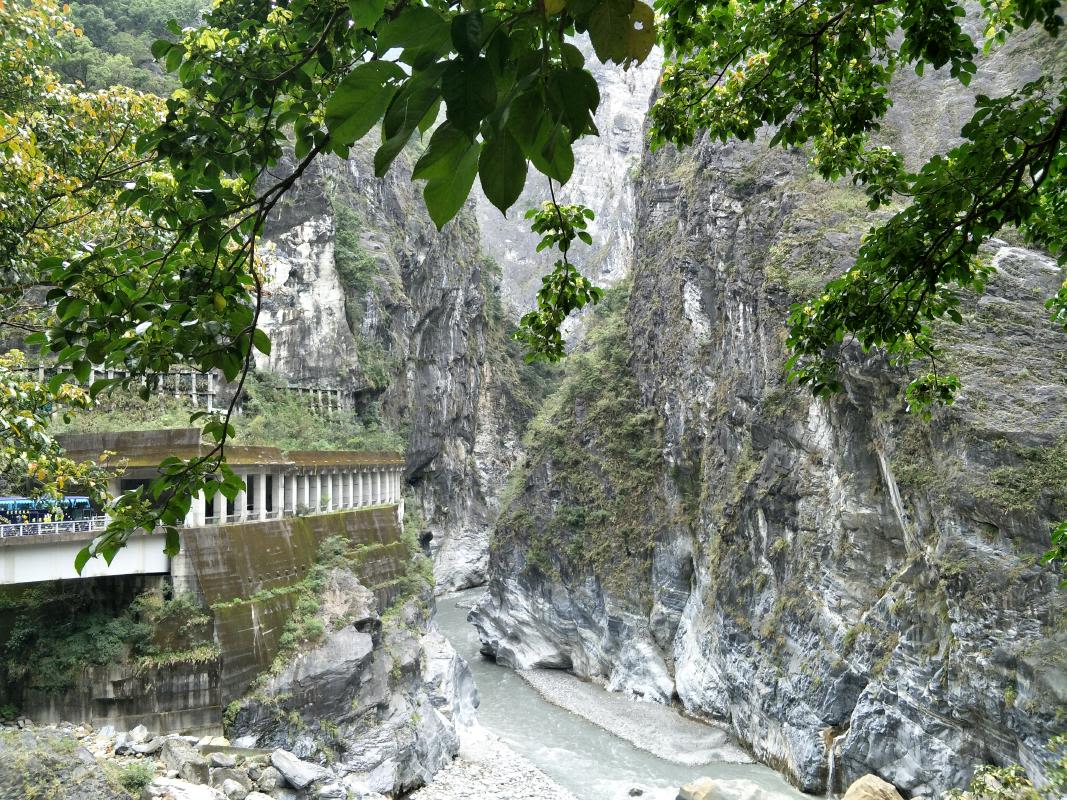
point(585, 759)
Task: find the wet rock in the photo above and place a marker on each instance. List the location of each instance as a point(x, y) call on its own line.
point(871, 787)
point(297, 773)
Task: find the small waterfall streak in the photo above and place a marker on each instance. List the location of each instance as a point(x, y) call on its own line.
point(831, 763)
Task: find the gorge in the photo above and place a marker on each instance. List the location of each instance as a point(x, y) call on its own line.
point(657, 562)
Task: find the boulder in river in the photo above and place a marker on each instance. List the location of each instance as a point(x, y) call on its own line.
point(700, 789)
point(871, 787)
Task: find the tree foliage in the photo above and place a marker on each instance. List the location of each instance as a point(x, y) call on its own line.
point(819, 74)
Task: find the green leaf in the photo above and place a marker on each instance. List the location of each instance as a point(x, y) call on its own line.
point(361, 99)
point(160, 47)
point(576, 92)
point(447, 146)
point(82, 559)
point(502, 170)
point(173, 544)
point(366, 13)
point(609, 30)
point(420, 32)
point(445, 196)
point(642, 32)
point(469, 90)
point(467, 34)
point(261, 341)
point(555, 157)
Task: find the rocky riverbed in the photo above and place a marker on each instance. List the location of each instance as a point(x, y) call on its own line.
point(654, 728)
point(487, 769)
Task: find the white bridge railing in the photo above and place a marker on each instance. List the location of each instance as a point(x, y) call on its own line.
point(46, 528)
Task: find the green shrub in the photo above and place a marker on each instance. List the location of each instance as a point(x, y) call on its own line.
point(136, 775)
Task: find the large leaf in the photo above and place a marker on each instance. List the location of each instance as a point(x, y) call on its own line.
point(502, 170)
point(642, 33)
point(445, 196)
point(361, 99)
point(622, 31)
point(409, 107)
point(609, 29)
point(420, 32)
point(366, 13)
point(469, 90)
point(467, 34)
point(447, 146)
point(577, 95)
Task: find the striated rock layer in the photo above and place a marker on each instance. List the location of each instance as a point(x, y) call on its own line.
point(381, 700)
point(365, 295)
point(850, 588)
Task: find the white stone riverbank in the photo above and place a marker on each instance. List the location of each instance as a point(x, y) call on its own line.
point(487, 769)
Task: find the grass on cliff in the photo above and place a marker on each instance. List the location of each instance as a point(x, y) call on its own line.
point(271, 416)
point(597, 447)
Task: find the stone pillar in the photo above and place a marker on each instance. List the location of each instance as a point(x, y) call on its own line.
point(316, 500)
point(240, 503)
point(260, 510)
point(195, 517)
point(277, 493)
point(218, 508)
point(349, 499)
point(289, 496)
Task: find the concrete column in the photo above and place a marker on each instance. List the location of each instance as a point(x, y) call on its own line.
point(349, 498)
point(376, 492)
point(316, 500)
point(195, 517)
point(359, 489)
point(289, 501)
point(305, 480)
point(260, 510)
point(330, 497)
point(218, 507)
point(240, 503)
point(277, 493)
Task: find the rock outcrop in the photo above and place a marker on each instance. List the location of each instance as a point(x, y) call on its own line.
point(366, 296)
point(380, 700)
point(851, 588)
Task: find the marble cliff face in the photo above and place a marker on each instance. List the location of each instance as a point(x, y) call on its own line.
point(852, 589)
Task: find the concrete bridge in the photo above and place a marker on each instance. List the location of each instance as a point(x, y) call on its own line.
point(277, 485)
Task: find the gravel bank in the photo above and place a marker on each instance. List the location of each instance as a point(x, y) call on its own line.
point(487, 769)
point(651, 727)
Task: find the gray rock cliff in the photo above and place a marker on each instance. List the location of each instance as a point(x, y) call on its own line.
point(851, 588)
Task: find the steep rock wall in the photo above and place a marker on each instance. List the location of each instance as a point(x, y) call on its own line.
point(852, 589)
point(366, 295)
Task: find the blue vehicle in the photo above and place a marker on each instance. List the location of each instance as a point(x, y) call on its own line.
point(44, 509)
